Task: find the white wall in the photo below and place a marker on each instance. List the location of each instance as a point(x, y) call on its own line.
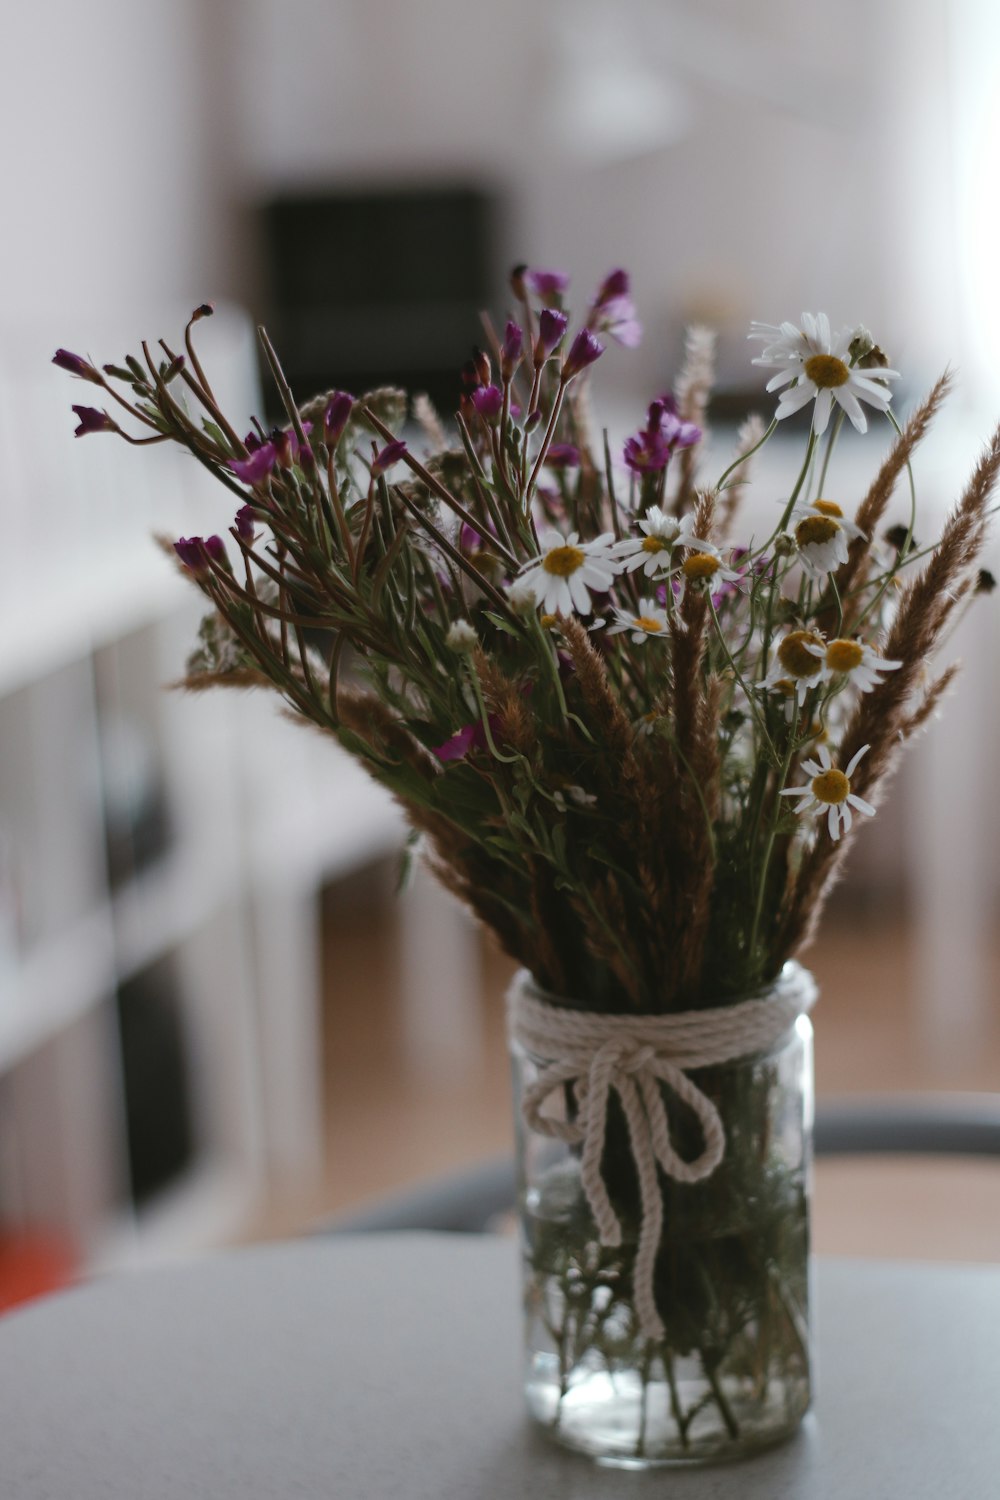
point(105, 198)
point(742, 160)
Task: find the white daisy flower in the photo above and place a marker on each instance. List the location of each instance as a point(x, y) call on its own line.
point(799, 665)
point(662, 533)
point(859, 663)
point(783, 340)
point(704, 567)
point(829, 791)
point(822, 533)
point(816, 366)
point(649, 619)
point(563, 577)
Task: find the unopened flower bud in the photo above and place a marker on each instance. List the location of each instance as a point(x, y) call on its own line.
point(197, 553)
point(481, 364)
point(204, 311)
point(563, 456)
point(244, 523)
point(281, 442)
point(985, 581)
point(784, 545)
point(614, 285)
point(897, 536)
point(551, 331)
point(488, 401)
point(389, 455)
point(517, 285)
point(861, 343)
point(584, 350)
point(216, 549)
point(75, 364)
point(532, 420)
point(336, 417)
point(461, 637)
point(521, 597)
point(548, 285)
point(510, 354)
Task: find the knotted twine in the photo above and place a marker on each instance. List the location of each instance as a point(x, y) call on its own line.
point(595, 1053)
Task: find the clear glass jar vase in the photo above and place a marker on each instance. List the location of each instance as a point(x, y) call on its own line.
point(731, 1372)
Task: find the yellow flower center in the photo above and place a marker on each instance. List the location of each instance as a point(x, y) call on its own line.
point(844, 656)
point(701, 565)
point(645, 622)
point(795, 658)
point(654, 544)
point(562, 561)
point(831, 787)
point(827, 371)
point(547, 621)
point(815, 530)
point(828, 508)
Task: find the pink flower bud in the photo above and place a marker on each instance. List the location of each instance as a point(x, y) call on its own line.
point(584, 350)
point(389, 455)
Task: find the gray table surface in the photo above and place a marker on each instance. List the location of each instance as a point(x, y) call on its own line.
point(388, 1368)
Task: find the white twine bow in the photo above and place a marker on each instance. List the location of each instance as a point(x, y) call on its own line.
point(595, 1053)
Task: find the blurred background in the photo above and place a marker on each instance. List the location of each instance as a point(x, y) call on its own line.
point(217, 1021)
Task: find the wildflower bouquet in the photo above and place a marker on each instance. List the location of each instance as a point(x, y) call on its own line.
point(635, 742)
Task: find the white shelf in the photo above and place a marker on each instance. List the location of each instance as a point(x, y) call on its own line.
point(211, 1206)
point(164, 905)
point(56, 984)
point(90, 599)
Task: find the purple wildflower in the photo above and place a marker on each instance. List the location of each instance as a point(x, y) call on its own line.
point(677, 433)
point(252, 442)
point(583, 351)
point(510, 354)
point(614, 285)
point(646, 453)
point(281, 442)
point(76, 365)
point(551, 331)
point(469, 737)
point(244, 522)
point(198, 553)
point(563, 456)
point(650, 450)
point(548, 285)
point(92, 420)
point(389, 455)
point(617, 319)
point(488, 401)
point(336, 417)
point(255, 469)
point(665, 403)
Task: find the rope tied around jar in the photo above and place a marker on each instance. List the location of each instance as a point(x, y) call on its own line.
point(594, 1053)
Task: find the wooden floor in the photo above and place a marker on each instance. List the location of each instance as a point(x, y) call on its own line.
point(391, 1120)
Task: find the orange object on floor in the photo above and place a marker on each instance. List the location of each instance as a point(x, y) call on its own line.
point(33, 1264)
